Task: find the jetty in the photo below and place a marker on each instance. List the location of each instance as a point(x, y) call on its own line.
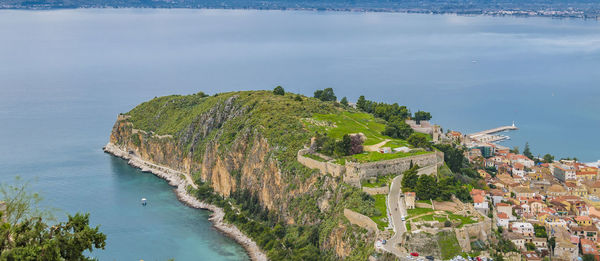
point(486, 135)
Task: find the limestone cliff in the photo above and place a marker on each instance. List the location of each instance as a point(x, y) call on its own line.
point(247, 141)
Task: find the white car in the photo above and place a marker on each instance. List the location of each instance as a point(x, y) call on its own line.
point(403, 218)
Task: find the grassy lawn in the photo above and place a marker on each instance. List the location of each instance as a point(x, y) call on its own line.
point(341, 161)
point(418, 211)
point(348, 122)
point(380, 182)
point(427, 136)
point(315, 157)
point(408, 228)
point(380, 205)
point(396, 144)
point(464, 220)
point(444, 171)
point(431, 217)
point(371, 156)
point(448, 245)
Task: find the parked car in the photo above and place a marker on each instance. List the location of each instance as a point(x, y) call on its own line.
point(403, 218)
point(414, 254)
point(430, 258)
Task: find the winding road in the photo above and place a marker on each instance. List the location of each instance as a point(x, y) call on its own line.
point(397, 210)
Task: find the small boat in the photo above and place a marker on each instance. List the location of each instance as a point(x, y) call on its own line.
point(144, 201)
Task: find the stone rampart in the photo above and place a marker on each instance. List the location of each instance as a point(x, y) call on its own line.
point(384, 167)
point(360, 220)
point(354, 172)
point(471, 232)
point(325, 167)
point(376, 191)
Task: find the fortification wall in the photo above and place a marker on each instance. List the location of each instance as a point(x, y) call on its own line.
point(360, 220)
point(471, 232)
point(325, 167)
point(353, 172)
point(384, 167)
point(376, 191)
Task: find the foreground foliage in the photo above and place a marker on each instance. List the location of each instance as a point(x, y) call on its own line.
point(26, 235)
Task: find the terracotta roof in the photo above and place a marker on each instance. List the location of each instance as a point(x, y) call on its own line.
point(556, 188)
point(478, 198)
point(582, 218)
point(585, 228)
point(502, 215)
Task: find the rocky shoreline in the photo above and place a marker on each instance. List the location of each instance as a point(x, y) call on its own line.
point(178, 179)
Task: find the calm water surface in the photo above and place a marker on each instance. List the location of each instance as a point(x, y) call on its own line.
point(65, 75)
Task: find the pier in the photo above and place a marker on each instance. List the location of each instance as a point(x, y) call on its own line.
point(486, 135)
point(494, 130)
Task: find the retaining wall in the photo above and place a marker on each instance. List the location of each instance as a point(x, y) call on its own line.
point(360, 220)
point(384, 167)
point(325, 167)
point(376, 191)
point(353, 172)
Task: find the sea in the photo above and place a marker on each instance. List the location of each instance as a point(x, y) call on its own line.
point(65, 75)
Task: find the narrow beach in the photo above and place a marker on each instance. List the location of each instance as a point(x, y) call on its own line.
point(175, 179)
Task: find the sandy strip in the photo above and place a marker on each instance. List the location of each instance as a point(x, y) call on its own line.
point(175, 179)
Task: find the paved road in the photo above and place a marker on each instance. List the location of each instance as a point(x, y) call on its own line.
point(397, 210)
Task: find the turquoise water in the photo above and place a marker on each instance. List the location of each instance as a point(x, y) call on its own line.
point(65, 75)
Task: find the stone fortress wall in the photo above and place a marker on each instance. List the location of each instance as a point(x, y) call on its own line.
point(352, 173)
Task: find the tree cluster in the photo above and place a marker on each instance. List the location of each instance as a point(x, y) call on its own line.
point(281, 242)
point(422, 116)
point(325, 95)
point(27, 236)
point(398, 129)
point(279, 91)
point(419, 141)
point(383, 110)
point(428, 187)
point(348, 145)
point(453, 156)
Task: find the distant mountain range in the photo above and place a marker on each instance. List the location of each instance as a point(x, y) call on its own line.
point(553, 8)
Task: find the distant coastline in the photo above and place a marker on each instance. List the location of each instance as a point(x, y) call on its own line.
point(548, 11)
point(174, 179)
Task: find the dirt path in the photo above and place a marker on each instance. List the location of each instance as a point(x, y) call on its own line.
point(375, 147)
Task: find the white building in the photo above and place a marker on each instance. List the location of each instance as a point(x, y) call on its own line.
point(523, 228)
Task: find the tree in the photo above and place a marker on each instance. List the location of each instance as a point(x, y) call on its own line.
point(527, 151)
point(355, 144)
point(27, 236)
point(453, 156)
point(552, 243)
point(530, 246)
point(422, 116)
point(540, 231)
point(278, 91)
point(418, 141)
point(344, 101)
point(548, 158)
point(325, 95)
point(397, 128)
point(361, 103)
point(515, 150)
point(426, 187)
point(410, 178)
point(344, 146)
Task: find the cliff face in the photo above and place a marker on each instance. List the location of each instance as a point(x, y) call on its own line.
point(243, 141)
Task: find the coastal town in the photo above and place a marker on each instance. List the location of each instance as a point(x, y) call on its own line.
point(538, 208)
point(546, 208)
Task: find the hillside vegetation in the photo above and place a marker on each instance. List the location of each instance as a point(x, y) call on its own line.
point(241, 149)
